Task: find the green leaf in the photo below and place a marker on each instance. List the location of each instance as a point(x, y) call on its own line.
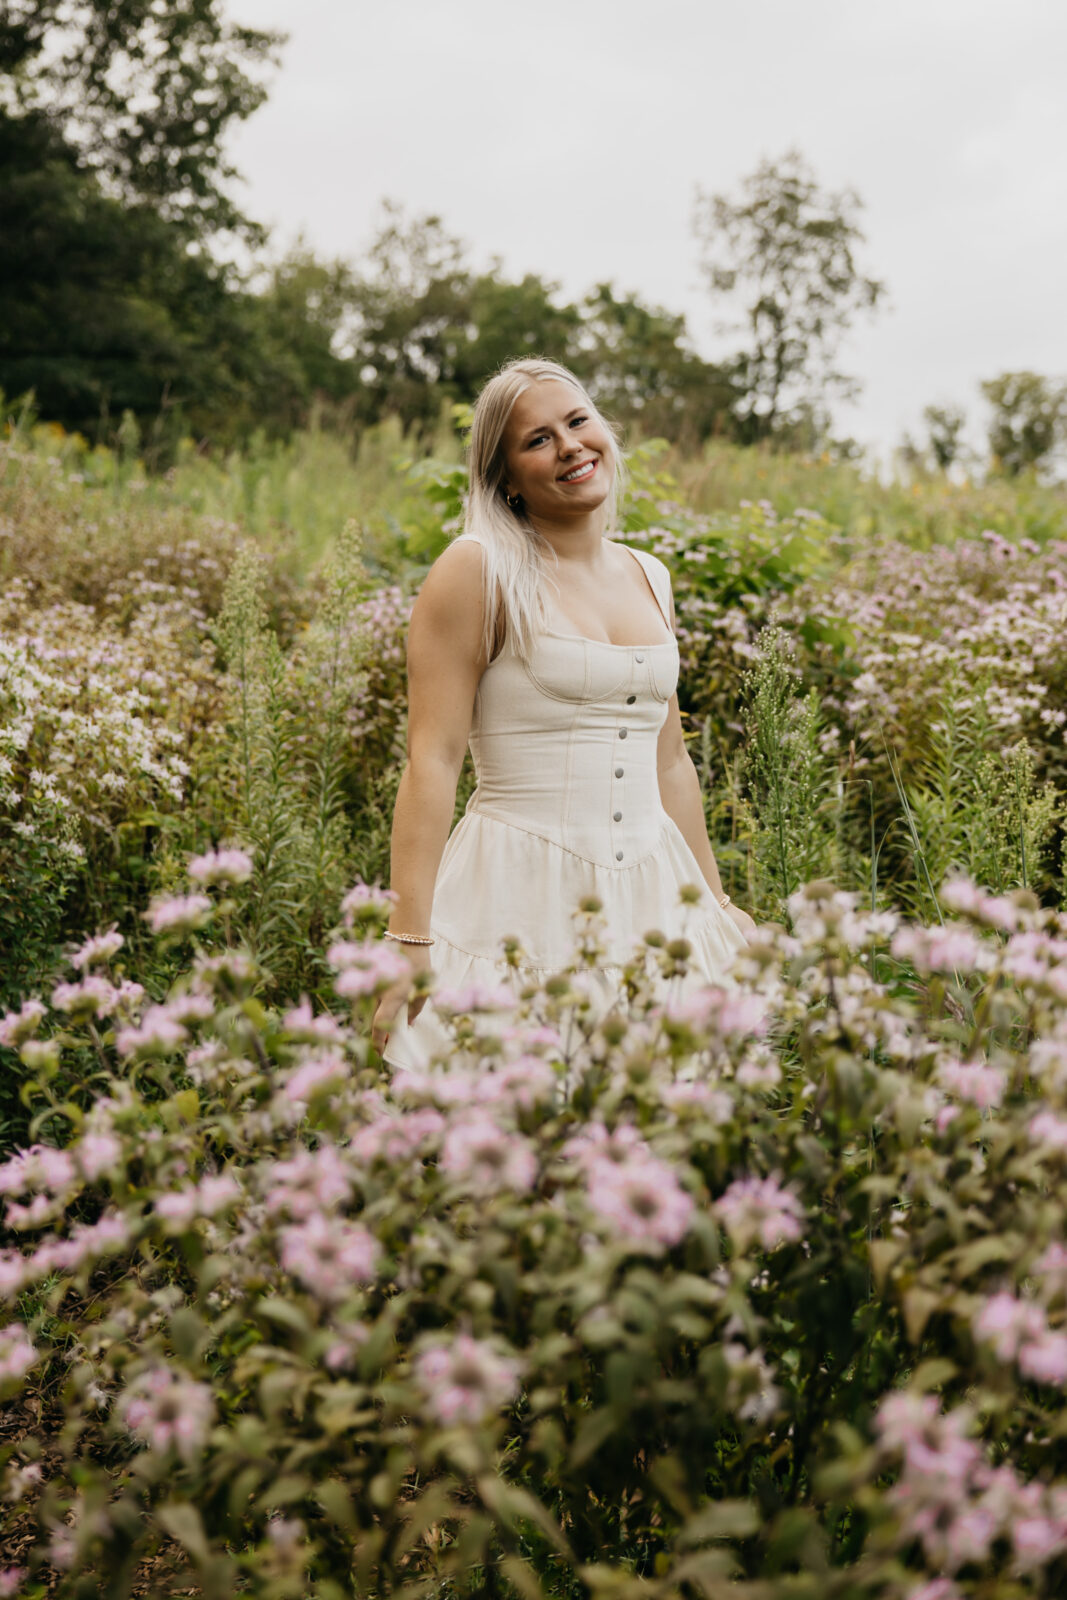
point(182, 1521)
point(594, 1431)
point(726, 1519)
point(336, 1502)
point(918, 1306)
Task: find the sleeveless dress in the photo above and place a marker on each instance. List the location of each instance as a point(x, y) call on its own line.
point(567, 805)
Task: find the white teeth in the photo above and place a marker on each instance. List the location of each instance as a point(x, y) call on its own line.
point(579, 472)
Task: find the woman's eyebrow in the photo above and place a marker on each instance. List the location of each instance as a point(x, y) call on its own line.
point(542, 427)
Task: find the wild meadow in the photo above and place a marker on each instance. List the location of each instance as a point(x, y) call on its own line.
point(762, 1293)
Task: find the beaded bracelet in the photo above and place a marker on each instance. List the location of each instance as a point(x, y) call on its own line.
point(409, 938)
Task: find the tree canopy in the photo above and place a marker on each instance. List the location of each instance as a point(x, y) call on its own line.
point(787, 249)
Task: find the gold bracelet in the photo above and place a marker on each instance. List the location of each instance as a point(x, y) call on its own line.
point(409, 938)
point(724, 901)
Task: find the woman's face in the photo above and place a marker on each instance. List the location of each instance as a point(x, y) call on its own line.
point(557, 452)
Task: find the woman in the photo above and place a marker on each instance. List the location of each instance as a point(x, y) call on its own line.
point(549, 648)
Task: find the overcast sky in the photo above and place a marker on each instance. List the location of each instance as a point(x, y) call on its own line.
point(570, 141)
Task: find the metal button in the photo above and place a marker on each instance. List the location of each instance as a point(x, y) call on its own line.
point(639, 658)
point(630, 698)
point(622, 733)
point(618, 816)
point(618, 772)
point(618, 855)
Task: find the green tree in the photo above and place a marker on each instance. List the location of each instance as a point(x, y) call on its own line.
point(641, 367)
point(1029, 421)
point(106, 310)
point(944, 431)
point(143, 92)
point(788, 250)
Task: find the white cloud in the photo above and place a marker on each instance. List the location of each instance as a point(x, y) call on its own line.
point(569, 140)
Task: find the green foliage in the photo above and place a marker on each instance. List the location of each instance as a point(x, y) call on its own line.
point(286, 763)
point(789, 784)
point(1029, 421)
point(1019, 817)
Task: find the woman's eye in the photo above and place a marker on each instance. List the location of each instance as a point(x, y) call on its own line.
point(576, 422)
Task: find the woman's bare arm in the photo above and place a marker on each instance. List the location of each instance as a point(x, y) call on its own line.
point(679, 789)
point(445, 662)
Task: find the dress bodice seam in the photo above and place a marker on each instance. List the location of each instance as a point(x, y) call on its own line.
point(591, 861)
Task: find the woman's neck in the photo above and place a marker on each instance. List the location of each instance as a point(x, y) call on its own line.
point(578, 541)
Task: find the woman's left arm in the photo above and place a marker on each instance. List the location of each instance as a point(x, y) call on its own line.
point(679, 789)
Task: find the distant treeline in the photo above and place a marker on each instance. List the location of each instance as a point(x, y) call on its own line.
point(119, 291)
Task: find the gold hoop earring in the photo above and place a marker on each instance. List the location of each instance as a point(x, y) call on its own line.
point(513, 501)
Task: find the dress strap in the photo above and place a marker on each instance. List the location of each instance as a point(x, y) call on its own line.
point(659, 579)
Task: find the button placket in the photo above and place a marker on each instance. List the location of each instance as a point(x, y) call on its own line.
point(623, 733)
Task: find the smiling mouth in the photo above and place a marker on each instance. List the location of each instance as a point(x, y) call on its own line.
point(580, 473)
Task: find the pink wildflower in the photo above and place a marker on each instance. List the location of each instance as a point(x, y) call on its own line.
point(366, 968)
point(524, 1083)
point(975, 1081)
point(728, 1013)
point(1049, 1130)
point(473, 998)
point(479, 1154)
point(39, 1167)
point(951, 949)
point(97, 951)
point(350, 1337)
point(168, 1412)
point(1037, 1540)
point(303, 1025)
point(641, 1199)
point(190, 1008)
point(220, 866)
point(312, 1181)
point(465, 1380)
point(1005, 1323)
point(157, 1034)
point(595, 1144)
point(329, 1255)
point(11, 1580)
point(183, 913)
point(1045, 1359)
point(97, 1153)
point(936, 1589)
point(365, 899)
point(17, 1354)
point(698, 1097)
point(92, 997)
point(18, 1026)
point(313, 1075)
point(12, 1273)
point(759, 1209)
point(397, 1137)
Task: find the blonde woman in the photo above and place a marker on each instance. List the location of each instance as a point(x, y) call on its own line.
point(548, 648)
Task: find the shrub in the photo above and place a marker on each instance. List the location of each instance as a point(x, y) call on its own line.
point(756, 1287)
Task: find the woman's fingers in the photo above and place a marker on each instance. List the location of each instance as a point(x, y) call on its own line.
point(385, 1016)
point(416, 1005)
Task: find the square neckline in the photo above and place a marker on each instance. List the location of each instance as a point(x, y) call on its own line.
point(660, 644)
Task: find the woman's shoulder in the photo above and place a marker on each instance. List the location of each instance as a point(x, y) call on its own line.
point(454, 580)
point(652, 564)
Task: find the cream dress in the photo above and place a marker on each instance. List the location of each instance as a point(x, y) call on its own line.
point(567, 805)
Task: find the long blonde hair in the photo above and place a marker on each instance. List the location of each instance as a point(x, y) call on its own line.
point(517, 559)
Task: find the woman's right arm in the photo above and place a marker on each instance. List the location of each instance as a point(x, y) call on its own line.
point(445, 662)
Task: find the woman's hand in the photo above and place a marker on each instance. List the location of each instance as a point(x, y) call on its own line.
point(418, 960)
point(742, 920)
